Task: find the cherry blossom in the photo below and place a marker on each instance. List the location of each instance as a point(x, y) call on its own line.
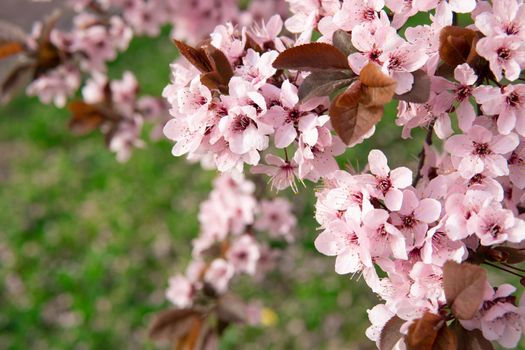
point(388, 183)
point(479, 150)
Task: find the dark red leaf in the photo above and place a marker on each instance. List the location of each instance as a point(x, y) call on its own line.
point(377, 87)
point(197, 57)
point(423, 332)
point(445, 340)
point(232, 309)
point(471, 340)
point(420, 92)
point(464, 286)
point(343, 41)
point(16, 80)
point(390, 333)
point(457, 45)
point(312, 57)
point(85, 117)
point(323, 84)
point(220, 63)
point(173, 324)
point(512, 255)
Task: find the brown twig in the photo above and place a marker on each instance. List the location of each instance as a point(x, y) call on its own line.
point(428, 141)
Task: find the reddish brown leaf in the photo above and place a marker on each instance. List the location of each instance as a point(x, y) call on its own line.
point(197, 57)
point(457, 45)
point(445, 340)
point(86, 117)
point(190, 341)
point(350, 118)
point(512, 255)
point(220, 63)
point(372, 76)
point(390, 333)
point(324, 84)
point(464, 286)
point(16, 80)
point(471, 340)
point(211, 80)
point(312, 57)
point(377, 87)
point(173, 324)
point(420, 92)
point(232, 309)
point(343, 41)
point(423, 332)
point(10, 49)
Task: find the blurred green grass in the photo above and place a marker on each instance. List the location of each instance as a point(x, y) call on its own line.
point(87, 244)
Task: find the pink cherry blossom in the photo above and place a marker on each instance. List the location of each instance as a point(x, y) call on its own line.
point(499, 318)
point(460, 92)
point(243, 131)
point(282, 173)
point(506, 18)
point(344, 240)
point(218, 275)
point(414, 216)
point(388, 184)
point(276, 218)
point(244, 254)
point(479, 150)
point(385, 238)
point(508, 103)
point(291, 118)
point(495, 225)
point(504, 54)
point(180, 291)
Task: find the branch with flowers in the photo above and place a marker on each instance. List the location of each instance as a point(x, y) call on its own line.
point(240, 235)
point(286, 106)
point(54, 63)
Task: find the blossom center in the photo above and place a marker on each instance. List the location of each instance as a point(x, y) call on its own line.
point(463, 92)
point(293, 116)
point(395, 62)
point(369, 14)
point(476, 179)
point(374, 55)
point(515, 159)
point(384, 184)
point(513, 99)
point(511, 29)
point(481, 149)
point(241, 123)
point(409, 221)
point(503, 53)
point(494, 230)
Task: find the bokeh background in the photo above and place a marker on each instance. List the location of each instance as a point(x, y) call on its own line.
point(87, 244)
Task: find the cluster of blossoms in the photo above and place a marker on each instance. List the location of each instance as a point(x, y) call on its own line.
point(408, 233)
point(54, 63)
point(237, 231)
point(228, 129)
